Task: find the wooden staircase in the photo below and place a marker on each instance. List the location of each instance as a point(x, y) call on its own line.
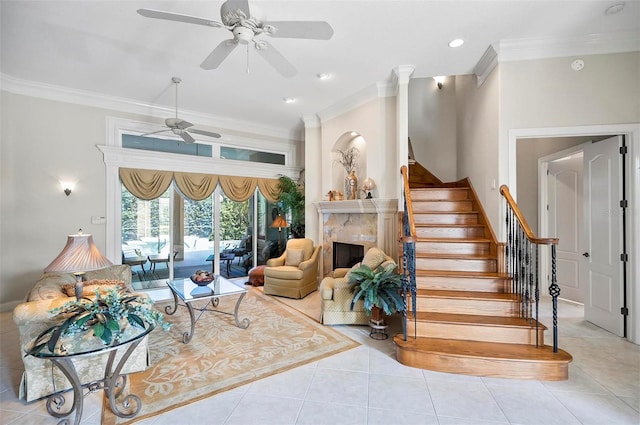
point(467, 319)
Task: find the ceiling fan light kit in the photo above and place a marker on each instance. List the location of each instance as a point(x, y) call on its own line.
point(236, 17)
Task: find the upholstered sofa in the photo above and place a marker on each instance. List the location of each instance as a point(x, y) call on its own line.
point(336, 292)
point(41, 378)
point(295, 273)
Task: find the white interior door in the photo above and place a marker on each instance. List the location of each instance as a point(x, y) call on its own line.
point(602, 218)
point(565, 221)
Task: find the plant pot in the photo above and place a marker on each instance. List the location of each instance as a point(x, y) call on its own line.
point(377, 324)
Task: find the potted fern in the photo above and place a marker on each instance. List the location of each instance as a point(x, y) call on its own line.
point(380, 291)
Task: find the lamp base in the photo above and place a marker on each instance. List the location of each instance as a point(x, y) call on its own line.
point(78, 285)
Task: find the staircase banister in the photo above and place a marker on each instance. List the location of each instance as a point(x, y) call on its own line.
point(407, 193)
point(504, 190)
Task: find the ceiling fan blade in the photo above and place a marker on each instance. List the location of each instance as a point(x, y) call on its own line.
point(155, 132)
point(275, 58)
point(315, 30)
point(187, 137)
point(169, 16)
point(204, 133)
point(177, 123)
point(219, 54)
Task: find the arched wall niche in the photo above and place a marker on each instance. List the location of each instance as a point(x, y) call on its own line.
point(348, 140)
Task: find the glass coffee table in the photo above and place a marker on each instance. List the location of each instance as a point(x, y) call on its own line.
point(188, 292)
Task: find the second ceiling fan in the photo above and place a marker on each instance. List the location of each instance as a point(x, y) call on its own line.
point(236, 17)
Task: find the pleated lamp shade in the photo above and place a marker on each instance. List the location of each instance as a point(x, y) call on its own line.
point(80, 254)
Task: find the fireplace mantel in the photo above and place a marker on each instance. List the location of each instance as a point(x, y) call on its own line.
point(355, 206)
point(367, 222)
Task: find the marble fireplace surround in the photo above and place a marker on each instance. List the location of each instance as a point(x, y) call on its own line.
point(367, 222)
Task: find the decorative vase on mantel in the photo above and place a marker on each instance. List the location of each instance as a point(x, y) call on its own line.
point(351, 185)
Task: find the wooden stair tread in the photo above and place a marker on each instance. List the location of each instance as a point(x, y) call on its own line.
point(454, 240)
point(460, 274)
point(438, 188)
point(443, 212)
point(472, 295)
point(485, 350)
point(477, 320)
point(456, 256)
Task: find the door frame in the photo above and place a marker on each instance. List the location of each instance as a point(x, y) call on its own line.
point(543, 194)
point(632, 170)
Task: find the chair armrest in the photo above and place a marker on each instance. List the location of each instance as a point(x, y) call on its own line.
point(341, 272)
point(275, 262)
point(326, 288)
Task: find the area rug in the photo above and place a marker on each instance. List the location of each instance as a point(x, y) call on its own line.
point(222, 356)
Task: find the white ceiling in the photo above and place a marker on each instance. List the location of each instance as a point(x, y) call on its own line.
point(105, 47)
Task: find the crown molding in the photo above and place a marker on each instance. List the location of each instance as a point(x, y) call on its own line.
point(311, 121)
point(97, 100)
point(403, 73)
point(378, 90)
point(550, 47)
point(485, 65)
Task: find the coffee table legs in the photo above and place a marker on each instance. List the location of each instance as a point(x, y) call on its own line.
point(187, 336)
point(112, 384)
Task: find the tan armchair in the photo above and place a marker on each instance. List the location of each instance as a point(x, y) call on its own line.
point(33, 316)
point(336, 294)
point(295, 273)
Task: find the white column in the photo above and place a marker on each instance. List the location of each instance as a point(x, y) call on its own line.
point(403, 75)
point(313, 175)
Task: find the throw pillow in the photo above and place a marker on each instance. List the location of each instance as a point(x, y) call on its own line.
point(294, 257)
point(89, 287)
point(374, 257)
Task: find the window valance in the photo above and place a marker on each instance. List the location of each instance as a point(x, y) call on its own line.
point(150, 184)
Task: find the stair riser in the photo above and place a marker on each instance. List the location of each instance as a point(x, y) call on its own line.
point(467, 265)
point(444, 206)
point(497, 368)
point(467, 248)
point(471, 332)
point(462, 284)
point(441, 194)
point(466, 306)
point(450, 232)
point(452, 218)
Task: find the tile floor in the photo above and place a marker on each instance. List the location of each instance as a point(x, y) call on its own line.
point(366, 385)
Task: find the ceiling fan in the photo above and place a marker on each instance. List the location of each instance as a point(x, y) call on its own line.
point(236, 17)
point(180, 127)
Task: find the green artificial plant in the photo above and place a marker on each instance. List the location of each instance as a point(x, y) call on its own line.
point(377, 288)
point(291, 199)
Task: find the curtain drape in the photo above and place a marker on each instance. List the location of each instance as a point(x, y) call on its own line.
point(151, 184)
point(196, 186)
point(146, 184)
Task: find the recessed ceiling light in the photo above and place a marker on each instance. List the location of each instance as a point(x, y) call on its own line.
point(614, 8)
point(324, 76)
point(456, 43)
point(288, 99)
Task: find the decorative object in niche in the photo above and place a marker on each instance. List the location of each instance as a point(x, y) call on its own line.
point(349, 160)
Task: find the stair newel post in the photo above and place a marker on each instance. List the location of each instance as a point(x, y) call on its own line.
point(537, 291)
point(554, 291)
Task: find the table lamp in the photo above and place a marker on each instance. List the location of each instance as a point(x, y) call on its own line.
point(368, 185)
point(79, 255)
point(279, 222)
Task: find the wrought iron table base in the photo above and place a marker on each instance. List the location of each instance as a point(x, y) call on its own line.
point(113, 384)
point(187, 336)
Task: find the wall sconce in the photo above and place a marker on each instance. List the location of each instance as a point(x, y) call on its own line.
point(367, 185)
point(439, 81)
point(67, 187)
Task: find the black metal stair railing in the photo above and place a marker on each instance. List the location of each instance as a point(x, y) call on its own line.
point(522, 251)
point(408, 258)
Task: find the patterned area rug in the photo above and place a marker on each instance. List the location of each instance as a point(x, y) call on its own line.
point(222, 356)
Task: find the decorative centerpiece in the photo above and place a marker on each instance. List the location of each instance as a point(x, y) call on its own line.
point(108, 315)
point(202, 277)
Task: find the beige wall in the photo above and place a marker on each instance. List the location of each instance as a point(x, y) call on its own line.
point(477, 129)
point(375, 122)
point(432, 125)
point(41, 142)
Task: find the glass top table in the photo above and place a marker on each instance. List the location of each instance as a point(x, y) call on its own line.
point(86, 344)
point(186, 291)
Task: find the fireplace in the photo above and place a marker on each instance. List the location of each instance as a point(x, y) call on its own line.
point(346, 254)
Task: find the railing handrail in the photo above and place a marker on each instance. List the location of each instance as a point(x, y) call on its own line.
point(407, 193)
point(504, 190)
